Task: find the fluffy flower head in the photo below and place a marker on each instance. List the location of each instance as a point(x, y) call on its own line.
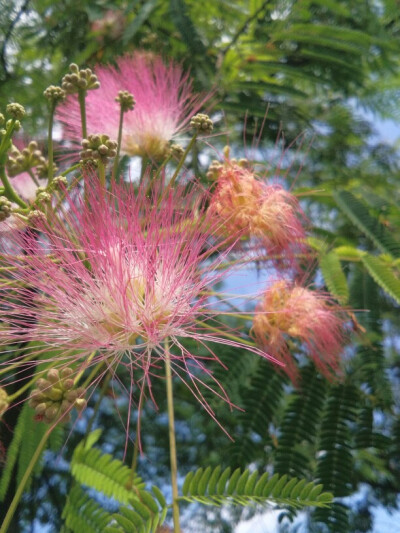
point(164, 104)
point(267, 212)
point(119, 282)
point(288, 310)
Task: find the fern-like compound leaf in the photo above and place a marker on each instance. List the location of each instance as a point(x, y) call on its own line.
point(243, 488)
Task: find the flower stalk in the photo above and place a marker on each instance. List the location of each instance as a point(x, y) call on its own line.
point(172, 441)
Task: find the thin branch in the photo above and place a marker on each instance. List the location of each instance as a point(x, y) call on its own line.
point(241, 30)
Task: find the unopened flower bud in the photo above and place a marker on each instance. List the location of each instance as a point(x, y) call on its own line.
point(98, 146)
point(51, 413)
point(79, 80)
point(23, 160)
point(80, 404)
point(42, 384)
point(55, 94)
point(214, 170)
point(43, 197)
point(36, 217)
point(5, 208)
point(40, 408)
point(55, 394)
point(66, 372)
point(125, 100)
point(71, 395)
point(2, 119)
point(17, 111)
point(176, 150)
point(202, 123)
point(59, 182)
point(53, 375)
point(68, 384)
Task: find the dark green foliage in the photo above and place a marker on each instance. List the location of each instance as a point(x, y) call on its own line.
point(367, 224)
point(300, 424)
point(260, 401)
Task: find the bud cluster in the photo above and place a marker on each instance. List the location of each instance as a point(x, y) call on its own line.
point(16, 111)
point(42, 170)
point(42, 195)
point(59, 182)
point(36, 217)
point(79, 80)
point(176, 150)
point(56, 395)
point(5, 209)
point(125, 100)
point(214, 170)
point(98, 146)
point(55, 94)
point(21, 161)
point(202, 123)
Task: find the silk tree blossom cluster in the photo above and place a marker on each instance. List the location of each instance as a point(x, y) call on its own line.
point(265, 212)
point(165, 102)
point(289, 311)
point(119, 276)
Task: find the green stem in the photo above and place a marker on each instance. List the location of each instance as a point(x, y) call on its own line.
point(50, 143)
point(172, 441)
point(9, 191)
point(102, 173)
point(135, 453)
point(70, 169)
point(81, 98)
point(33, 177)
point(145, 161)
point(182, 159)
point(24, 481)
point(119, 140)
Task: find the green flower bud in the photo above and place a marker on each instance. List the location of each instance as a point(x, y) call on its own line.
point(5, 208)
point(53, 375)
point(55, 94)
point(17, 111)
point(79, 80)
point(125, 100)
point(202, 123)
point(98, 146)
point(36, 217)
point(176, 151)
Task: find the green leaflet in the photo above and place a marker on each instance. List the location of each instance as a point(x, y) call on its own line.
point(141, 511)
point(334, 276)
point(89, 466)
point(27, 435)
point(241, 488)
point(383, 275)
point(359, 214)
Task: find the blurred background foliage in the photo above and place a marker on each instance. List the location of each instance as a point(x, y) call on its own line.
point(325, 73)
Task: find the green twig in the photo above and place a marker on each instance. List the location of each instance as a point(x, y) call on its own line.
point(119, 141)
point(172, 441)
point(82, 105)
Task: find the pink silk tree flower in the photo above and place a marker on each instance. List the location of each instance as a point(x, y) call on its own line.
point(115, 281)
point(164, 104)
point(258, 210)
point(289, 310)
